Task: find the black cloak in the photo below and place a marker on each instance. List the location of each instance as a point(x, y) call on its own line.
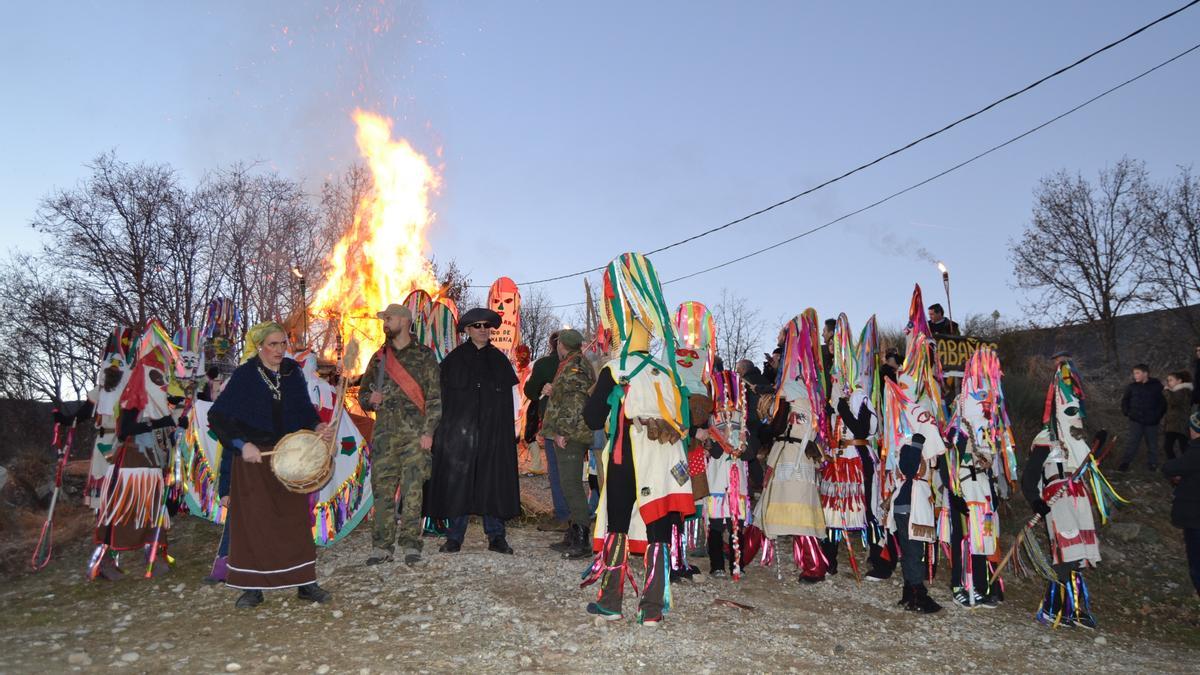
point(475, 447)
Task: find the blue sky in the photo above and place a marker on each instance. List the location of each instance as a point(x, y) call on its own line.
point(572, 132)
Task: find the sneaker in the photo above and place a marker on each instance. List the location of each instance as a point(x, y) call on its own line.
point(718, 574)
point(963, 599)
point(811, 580)
point(210, 580)
point(1123, 467)
point(1087, 621)
point(988, 602)
point(314, 593)
point(379, 556)
point(878, 575)
point(650, 621)
point(450, 546)
point(596, 610)
point(249, 600)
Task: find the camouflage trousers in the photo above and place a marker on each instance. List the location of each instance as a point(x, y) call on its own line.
point(399, 472)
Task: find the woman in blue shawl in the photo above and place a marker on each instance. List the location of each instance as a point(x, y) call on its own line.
point(270, 540)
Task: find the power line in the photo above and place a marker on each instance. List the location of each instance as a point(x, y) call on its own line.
point(940, 174)
point(887, 155)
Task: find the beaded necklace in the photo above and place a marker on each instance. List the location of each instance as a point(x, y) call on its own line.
point(271, 383)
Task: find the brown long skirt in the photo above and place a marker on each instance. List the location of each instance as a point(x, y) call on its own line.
point(270, 543)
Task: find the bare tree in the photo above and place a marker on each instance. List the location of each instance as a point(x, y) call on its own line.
point(1082, 256)
point(50, 341)
point(739, 328)
point(109, 232)
point(538, 321)
point(1174, 245)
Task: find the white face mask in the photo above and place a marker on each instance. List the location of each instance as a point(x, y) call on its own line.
point(156, 394)
point(1070, 427)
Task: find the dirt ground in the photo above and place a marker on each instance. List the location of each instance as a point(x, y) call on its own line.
point(483, 612)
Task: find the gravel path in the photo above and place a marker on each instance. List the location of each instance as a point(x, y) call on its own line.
point(480, 611)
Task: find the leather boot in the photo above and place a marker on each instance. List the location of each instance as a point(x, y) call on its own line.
point(568, 540)
point(921, 602)
point(656, 596)
point(907, 597)
point(581, 544)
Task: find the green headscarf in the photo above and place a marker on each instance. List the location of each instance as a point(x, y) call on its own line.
point(257, 335)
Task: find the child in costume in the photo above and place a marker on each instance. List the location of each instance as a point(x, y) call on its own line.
point(910, 508)
point(642, 404)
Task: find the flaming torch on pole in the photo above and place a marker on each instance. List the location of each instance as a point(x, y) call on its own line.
point(946, 283)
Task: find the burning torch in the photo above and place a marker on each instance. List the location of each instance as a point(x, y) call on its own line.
point(946, 283)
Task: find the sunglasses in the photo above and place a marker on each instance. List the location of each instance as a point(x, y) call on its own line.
point(477, 326)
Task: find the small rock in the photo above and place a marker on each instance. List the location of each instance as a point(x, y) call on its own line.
point(838, 650)
point(322, 669)
point(79, 659)
point(232, 667)
point(1100, 640)
point(178, 588)
point(337, 614)
point(526, 661)
point(371, 637)
point(130, 657)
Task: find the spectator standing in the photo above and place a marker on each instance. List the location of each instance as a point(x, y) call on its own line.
point(1144, 406)
point(1179, 407)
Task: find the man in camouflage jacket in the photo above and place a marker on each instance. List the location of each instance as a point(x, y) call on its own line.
point(563, 424)
point(407, 411)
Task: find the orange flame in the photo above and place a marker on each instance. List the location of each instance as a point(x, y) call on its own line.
point(381, 258)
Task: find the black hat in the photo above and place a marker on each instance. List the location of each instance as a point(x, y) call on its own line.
point(478, 315)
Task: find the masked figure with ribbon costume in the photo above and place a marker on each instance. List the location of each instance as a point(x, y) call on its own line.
point(132, 514)
point(1053, 482)
point(642, 403)
point(980, 442)
point(791, 496)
